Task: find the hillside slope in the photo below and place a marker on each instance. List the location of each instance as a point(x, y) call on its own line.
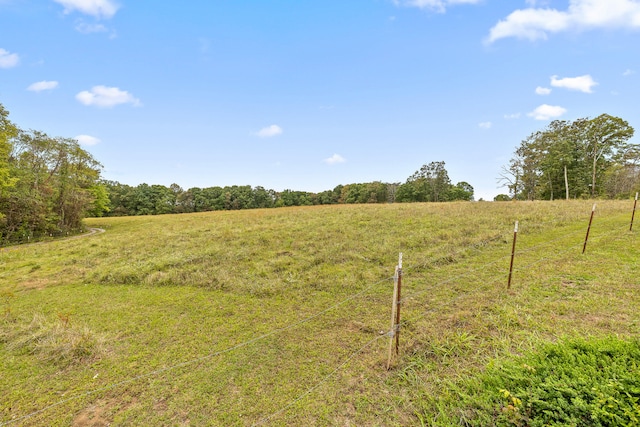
point(277, 317)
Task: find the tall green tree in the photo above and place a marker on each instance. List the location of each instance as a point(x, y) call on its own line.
point(461, 191)
point(47, 185)
point(605, 140)
point(572, 159)
point(430, 183)
point(8, 131)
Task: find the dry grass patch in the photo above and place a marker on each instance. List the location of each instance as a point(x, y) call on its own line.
point(60, 341)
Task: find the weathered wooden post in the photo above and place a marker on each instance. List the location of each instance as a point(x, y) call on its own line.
point(586, 239)
point(513, 254)
point(398, 301)
point(633, 214)
point(395, 311)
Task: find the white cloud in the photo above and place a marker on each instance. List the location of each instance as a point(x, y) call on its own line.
point(43, 85)
point(269, 131)
point(581, 83)
point(628, 72)
point(529, 24)
point(8, 60)
point(547, 112)
point(543, 90)
point(534, 3)
point(84, 28)
point(537, 23)
point(436, 5)
point(96, 8)
point(485, 125)
point(512, 116)
point(103, 96)
point(336, 158)
point(87, 140)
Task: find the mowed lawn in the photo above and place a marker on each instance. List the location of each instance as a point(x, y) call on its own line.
point(278, 317)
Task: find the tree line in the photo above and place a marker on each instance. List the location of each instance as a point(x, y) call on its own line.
point(430, 183)
point(47, 184)
point(585, 158)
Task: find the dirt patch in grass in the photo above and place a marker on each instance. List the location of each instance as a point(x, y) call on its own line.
point(103, 412)
point(94, 416)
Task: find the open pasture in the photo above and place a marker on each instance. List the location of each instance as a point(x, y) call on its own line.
point(278, 316)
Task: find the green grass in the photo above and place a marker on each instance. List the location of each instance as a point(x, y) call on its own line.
point(161, 300)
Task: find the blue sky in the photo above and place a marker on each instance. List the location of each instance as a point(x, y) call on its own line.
point(309, 94)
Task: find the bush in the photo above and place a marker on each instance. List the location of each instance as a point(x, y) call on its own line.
point(570, 383)
point(501, 198)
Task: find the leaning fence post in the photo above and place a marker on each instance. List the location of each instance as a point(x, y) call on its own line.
point(586, 239)
point(513, 253)
point(395, 314)
point(633, 214)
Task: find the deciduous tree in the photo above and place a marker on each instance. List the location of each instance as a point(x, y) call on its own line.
point(573, 159)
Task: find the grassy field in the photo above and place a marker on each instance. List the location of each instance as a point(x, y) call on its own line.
point(277, 317)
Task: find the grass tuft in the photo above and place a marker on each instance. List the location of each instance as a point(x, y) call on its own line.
point(60, 341)
point(6, 298)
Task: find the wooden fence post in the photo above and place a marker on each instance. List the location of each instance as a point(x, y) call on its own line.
point(392, 332)
point(586, 239)
point(398, 302)
point(395, 312)
point(513, 254)
point(633, 214)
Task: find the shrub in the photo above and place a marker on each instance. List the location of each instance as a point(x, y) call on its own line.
point(569, 383)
